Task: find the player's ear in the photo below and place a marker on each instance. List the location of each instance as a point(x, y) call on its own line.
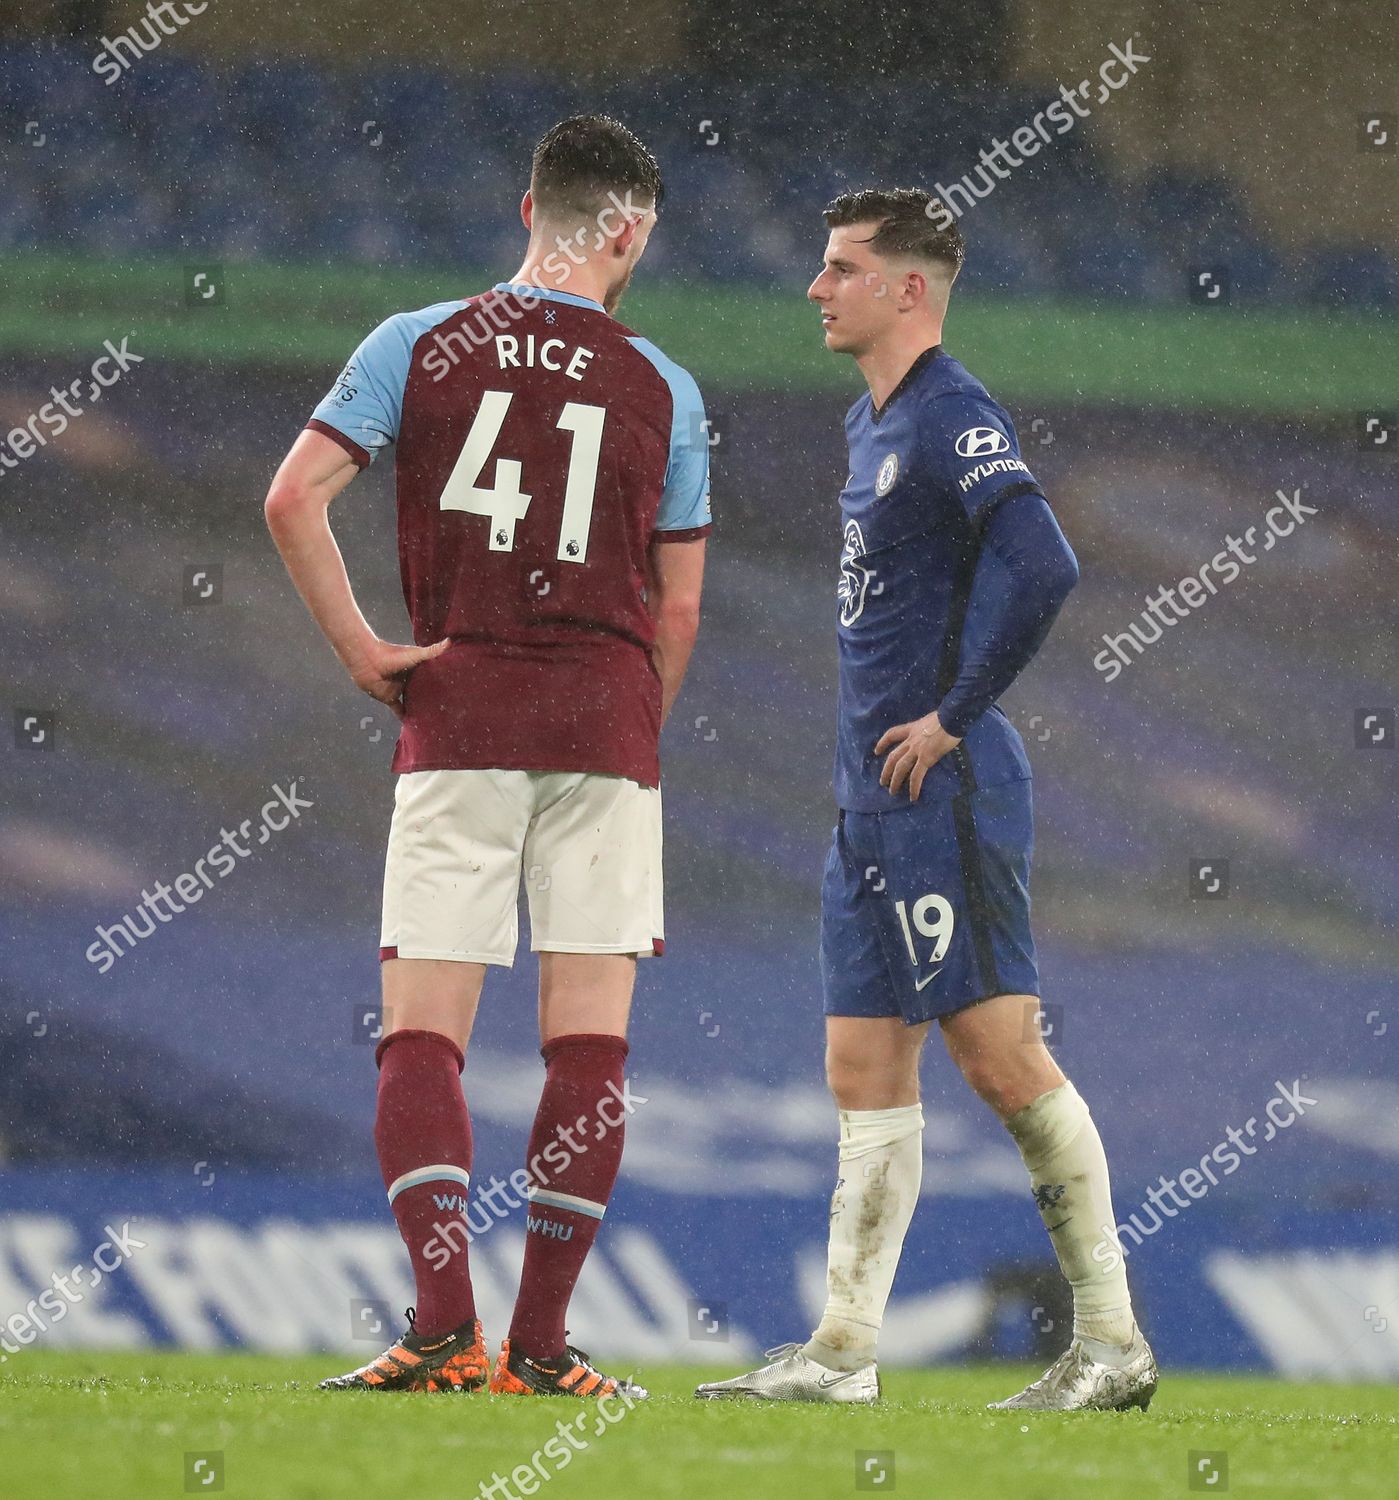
point(915, 289)
point(527, 210)
point(625, 237)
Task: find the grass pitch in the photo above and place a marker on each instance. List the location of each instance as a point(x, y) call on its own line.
point(79, 1426)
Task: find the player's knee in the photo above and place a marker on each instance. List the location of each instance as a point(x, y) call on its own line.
point(859, 1080)
point(835, 1072)
point(842, 1080)
point(990, 1085)
point(1006, 1084)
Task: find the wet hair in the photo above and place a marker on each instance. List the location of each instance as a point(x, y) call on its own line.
point(910, 222)
point(583, 159)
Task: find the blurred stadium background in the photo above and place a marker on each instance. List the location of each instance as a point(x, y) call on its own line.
point(1189, 302)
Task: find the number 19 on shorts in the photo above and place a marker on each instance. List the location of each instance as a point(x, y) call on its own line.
point(932, 917)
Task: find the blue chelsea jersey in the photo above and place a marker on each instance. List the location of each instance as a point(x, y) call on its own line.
point(926, 470)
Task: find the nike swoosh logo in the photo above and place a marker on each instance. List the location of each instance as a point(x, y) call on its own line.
point(918, 984)
point(825, 1382)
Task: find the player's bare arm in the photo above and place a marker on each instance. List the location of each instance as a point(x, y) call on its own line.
point(673, 600)
point(313, 473)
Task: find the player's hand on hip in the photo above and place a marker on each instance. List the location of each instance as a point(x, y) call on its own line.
point(913, 750)
point(384, 670)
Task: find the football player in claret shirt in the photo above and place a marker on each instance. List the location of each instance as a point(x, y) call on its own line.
point(553, 499)
point(952, 571)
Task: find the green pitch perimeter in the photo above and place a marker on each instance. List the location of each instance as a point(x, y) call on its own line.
point(1300, 362)
point(108, 1427)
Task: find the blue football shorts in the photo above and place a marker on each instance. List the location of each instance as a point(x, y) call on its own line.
point(925, 909)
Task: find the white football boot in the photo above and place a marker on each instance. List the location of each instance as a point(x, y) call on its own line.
point(1077, 1382)
point(791, 1376)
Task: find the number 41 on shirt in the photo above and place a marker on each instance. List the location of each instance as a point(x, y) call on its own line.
point(504, 503)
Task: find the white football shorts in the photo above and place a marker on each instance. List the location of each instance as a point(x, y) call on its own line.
point(587, 847)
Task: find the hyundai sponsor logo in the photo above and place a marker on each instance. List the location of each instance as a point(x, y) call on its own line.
point(981, 442)
point(984, 471)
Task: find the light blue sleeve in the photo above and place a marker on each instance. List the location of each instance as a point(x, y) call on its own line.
point(685, 500)
point(365, 405)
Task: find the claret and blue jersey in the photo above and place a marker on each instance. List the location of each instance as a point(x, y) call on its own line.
point(541, 450)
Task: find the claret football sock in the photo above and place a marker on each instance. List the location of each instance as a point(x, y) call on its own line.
point(575, 1151)
point(1069, 1174)
point(880, 1174)
point(423, 1134)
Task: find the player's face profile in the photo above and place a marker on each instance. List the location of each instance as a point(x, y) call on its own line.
point(855, 291)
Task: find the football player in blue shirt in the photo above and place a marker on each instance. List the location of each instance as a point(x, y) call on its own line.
point(952, 571)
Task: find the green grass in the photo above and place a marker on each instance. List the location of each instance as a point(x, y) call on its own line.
point(107, 1427)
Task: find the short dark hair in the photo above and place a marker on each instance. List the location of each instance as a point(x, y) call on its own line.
point(583, 158)
point(911, 222)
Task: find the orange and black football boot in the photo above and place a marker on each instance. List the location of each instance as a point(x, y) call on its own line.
point(571, 1374)
point(455, 1361)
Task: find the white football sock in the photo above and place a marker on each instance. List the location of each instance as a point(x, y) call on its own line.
point(1069, 1173)
point(881, 1171)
